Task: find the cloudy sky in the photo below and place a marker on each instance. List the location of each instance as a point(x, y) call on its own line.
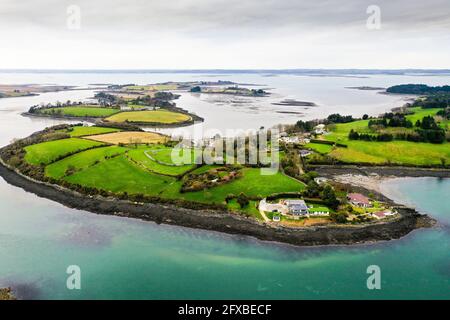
point(246, 34)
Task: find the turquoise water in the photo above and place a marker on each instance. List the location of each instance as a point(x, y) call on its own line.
point(130, 259)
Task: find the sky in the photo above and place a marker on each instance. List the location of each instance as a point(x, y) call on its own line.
point(224, 34)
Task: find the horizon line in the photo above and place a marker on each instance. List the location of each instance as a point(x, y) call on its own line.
point(307, 71)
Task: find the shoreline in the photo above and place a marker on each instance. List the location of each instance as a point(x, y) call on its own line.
point(224, 221)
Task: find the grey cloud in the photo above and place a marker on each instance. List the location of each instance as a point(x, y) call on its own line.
point(223, 15)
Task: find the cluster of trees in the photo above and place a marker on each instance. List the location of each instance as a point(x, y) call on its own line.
point(305, 126)
point(68, 103)
point(391, 120)
point(258, 92)
point(196, 89)
point(107, 99)
point(165, 95)
point(445, 113)
point(384, 137)
point(324, 192)
point(433, 101)
point(337, 118)
point(196, 182)
point(159, 100)
point(291, 163)
point(418, 89)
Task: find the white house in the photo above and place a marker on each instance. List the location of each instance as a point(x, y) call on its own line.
point(319, 129)
point(296, 207)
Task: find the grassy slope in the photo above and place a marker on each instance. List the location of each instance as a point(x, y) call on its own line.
point(81, 160)
point(139, 156)
point(86, 131)
point(47, 152)
point(119, 175)
point(398, 152)
point(419, 113)
point(252, 183)
point(321, 148)
point(83, 111)
point(122, 175)
point(161, 116)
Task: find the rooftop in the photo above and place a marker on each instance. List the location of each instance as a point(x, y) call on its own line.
point(296, 203)
point(358, 197)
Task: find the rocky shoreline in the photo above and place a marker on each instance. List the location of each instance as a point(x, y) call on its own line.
point(224, 221)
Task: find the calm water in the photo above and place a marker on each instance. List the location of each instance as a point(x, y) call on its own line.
point(124, 258)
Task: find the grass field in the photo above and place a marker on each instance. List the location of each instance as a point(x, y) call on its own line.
point(394, 152)
point(128, 137)
point(139, 155)
point(82, 111)
point(79, 131)
point(119, 175)
point(81, 160)
point(151, 116)
point(319, 147)
point(419, 113)
point(252, 183)
point(165, 155)
point(47, 152)
point(251, 209)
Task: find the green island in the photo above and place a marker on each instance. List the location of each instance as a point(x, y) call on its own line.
point(153, 109)
point(117, 160)
point(138, 166)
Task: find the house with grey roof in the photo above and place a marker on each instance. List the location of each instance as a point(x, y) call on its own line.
point(296, 207)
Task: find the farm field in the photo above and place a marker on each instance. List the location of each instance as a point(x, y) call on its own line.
point(82, 111)
point(252, 183)
point(393, 152)
point(80, 131)
point(140, 156)
point(150, 116)
point(319, 147)
point(145, 169)
point(121, 175)
point(129, 137)
point(47, 152)
point(82, 160)
point(419, 113)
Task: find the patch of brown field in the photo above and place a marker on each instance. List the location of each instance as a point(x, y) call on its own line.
point(306, 222)
point(128, 137)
